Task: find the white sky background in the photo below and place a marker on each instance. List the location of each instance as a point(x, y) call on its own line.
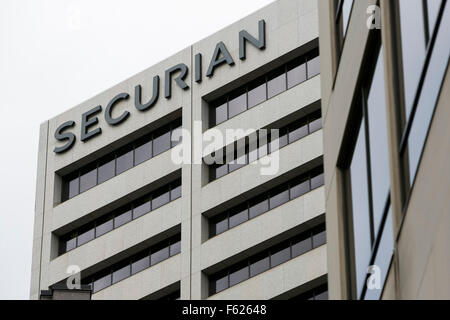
point(55, 54)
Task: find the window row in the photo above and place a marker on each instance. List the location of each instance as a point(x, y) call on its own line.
point(318, 293)
point(134, 264)
point(122, 160)
point(425, 33)
point(262, 145)
point(266, 87)
point(267, 259)
point(267, 201)
point(119, 217)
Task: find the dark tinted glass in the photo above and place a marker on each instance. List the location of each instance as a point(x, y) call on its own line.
point(238, 163)
point(237, 219)
point(413, 47)
point(302, 246)
point(175, 193)
point(281, 197)
point(280, 256)
point(124, 162)
point(176, 136)
point(86, 237)
point(237, 105)
point(319, 239)
point(321, 296)
point(141, 209)
point(259, 266)
point(298, 133)
point(259, 208)
point(106, 170)
point(104, 228)
point(221, 171)
point(220, 284)
point(160, 200)
point(257, 95)
point(300, 189)
point(175, 248)
point(102, 283)
point(379, 160)
point(74, 187)
point(360, 205)
point(161, 144)
point(88, 180)
point(317, 181)
point(121, 274)
point(279, 143)
point(239, 276)
point(140, 264)
point(313, 67)
point(276, 85)
point(159, 256)
point(220, 226)
point(296, 75)
point(315, 125)
point(143, 152)
point(122, 219)
point(71, 244)
point(221, 113)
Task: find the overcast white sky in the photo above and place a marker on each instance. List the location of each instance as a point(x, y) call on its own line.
point(55, 54)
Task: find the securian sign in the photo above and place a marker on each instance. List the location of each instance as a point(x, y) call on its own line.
point(220, 56)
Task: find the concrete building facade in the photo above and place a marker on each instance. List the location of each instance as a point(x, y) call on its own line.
point(112, 203)
point(385, 105)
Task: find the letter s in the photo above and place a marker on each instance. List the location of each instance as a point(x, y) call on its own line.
point(60, 136)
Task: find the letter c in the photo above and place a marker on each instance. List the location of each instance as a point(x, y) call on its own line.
point(115, 121)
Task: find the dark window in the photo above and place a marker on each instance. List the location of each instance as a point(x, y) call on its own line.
point(122, 219)
point(102, 283)
point(104, 228)
point(140, 263)
point(221, 113)
point(175, 193)
point(259, 207)
point(220, 226)
point(298, 132)
point(280, 255)
point(320, 238)
point(360, 204)
point(259, 265)
point(74, 187)
point(238, 218)
point(221, 171)
point(161, 199)
point(220, 284)
point(238, 163)
point(239, 275)
point(313, 67)
point(86, 237)
point(279, 197)
point(106, 169)
point(299, 188)
point(301, 246)
point(317, 181)
point(315, 125)
point(296, 74)
point(71, 244)
point(143, 152)
point(175, 248)
point(257, 94)
point(88, 179)
point(125, 161)
point(276, 83)
point(141, 208)
point(161, 143)
point(121, 273)
point(237, 105)
point(176, 136)
point(160, 255)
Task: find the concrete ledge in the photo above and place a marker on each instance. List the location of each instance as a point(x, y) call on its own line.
point(148, 226)
point(278, 280)
point(113, 189)
point(144, 283)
